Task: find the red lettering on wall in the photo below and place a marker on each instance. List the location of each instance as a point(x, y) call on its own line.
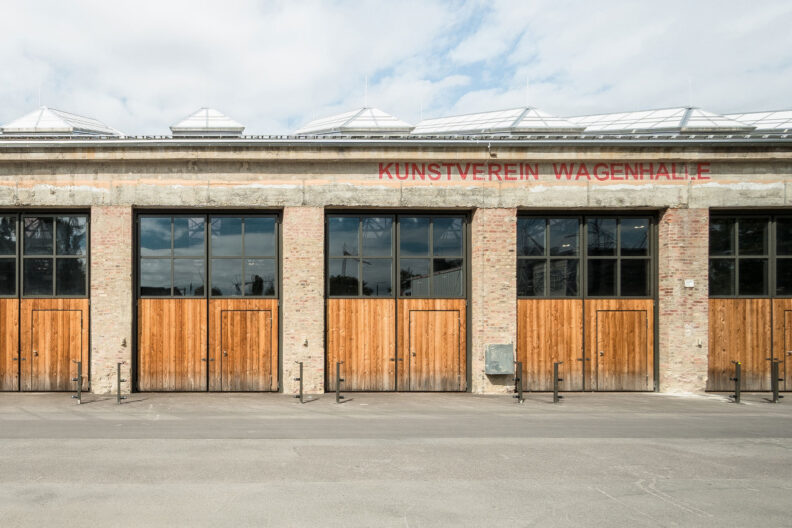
point(583, 171)
point(384, 170)
point(494, 170)
point(702, 170)
point(601, 171)
point(563, 170)
point(434, 171)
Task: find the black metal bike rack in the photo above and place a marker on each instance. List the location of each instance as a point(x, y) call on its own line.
point(736, 380)
point(300, 379)
point(78, 379)
point(518, 382)
point(556, 380)
point(339, 379)
point(774, 379)
point(118, 384)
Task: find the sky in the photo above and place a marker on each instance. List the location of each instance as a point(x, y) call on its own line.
point(142, 65)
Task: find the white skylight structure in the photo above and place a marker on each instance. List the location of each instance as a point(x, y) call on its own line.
point(363, 121)
point(772, 121)
point(523, 120)
point(51, 122)
point(207, 122)
point(682, 120)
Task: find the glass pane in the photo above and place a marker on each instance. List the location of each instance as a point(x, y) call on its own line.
point(752, 236)
point(188, 236)
point(37, 273)
point(530, 236)
point(377, 237)
point(721, 236)
point(634, 278)
point(155, 277)
point(752, 277)
point(602, 277)
point(414, 277)
point(784, 236)
point(226, 238)
point(7, 235)
point(70, 276)
point(563, 236)
point(71, 235)
point(530, 278)
point(377, 278)
point(155, 237)
point(260, 237)
point(784, 277)
point(226, 277)
point(721, 277)
point(414, 236)
point(342, 232)
point(448, 278)
point(601, 235)
point(563, 278)
point(188, 277)
point(7, 276)
point(447, 237)
point(38, 236)
point(634, 237)
point(343, 277)
point(259, 277)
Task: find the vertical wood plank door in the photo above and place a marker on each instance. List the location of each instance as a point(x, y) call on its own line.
point(362, 334)
point(739, 330)
point(432, 341)
point(550, 330)
point(54, 335)
point(782, 339)
point(620, 338)
point(243, 345)
point(9, 344)
point(172, 348)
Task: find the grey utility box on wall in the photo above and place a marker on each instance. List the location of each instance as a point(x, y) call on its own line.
point(499, 359)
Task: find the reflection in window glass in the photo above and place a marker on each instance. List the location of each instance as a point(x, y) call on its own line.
point(414, 277)
point(377, 236)
point(377, 281)
point(784, 277)
point(37, 274)
point(7, 276)
point(602, 277)
point(530, 278)
point(634, 237)
point(343, 276)
point(447, 237)
point(260, 237)
point(530, 237)
point(259, 277)
point(226, 237)
point(155, 277)
point(447, 278)
point(342, 232)
point(71, 235)
point(563, 236)
point(70, 276)
point(188, 236)
point(634, 278)
point(784, 236)
point(601, 236)
point(752, 236)
point(155, 237)
point(721, 277)
point(7, 235)
point(414, 236)
point(752, 276)
point(188, 277)
point(226, 277)
point(38, 236)
point(563, 278)
point(721, 240)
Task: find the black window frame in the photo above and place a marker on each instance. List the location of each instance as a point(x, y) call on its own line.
point(770, 256)
point(16, 255)
point(583, 258)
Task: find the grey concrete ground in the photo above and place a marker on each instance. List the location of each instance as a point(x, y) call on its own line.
point(395, 460)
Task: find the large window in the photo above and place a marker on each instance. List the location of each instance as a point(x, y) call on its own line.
point(750, 256)
point(595, 256)
point(429, 251)
point(176, 251)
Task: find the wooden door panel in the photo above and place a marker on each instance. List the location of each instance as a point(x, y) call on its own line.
point(623, 329)
point(172, 353)
point(739, 330)
point(243, 345)
point(54, 335)
point(362, 334)
point(433, 345)
point(550, 330)
point(9, 344)
point(782, 339)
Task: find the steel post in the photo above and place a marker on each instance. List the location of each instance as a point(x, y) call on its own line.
point(556, 381)
point(118, 385)
point(736, 380)
point(300, 379)
point(339, 379)
point(78, 379)
point(518, 382)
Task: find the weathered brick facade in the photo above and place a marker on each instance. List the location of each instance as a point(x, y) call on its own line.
point(683, 326)
point(302, 298)
point(494, 291)
point(111, 297)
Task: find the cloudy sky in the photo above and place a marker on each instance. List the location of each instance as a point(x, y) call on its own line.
point(142, 65)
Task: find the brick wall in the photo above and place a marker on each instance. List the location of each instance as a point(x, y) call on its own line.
point(683, 326)
point(303, 298)
point(111, 296)
point(494, 291)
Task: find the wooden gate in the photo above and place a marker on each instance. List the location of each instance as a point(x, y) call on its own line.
point(621, 352)
point(54, 335)
point(782, 340)
point(243, 345)
point(9, 344)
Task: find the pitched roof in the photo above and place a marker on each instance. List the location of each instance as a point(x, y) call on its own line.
point(684, 119)
point(775, 121)
point(364, 120)
point(51, 122)
point(515, 120)
point(207, 122)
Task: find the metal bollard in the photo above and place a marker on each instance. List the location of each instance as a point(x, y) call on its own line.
point(78, 379)
point(518, 383)
point(118, 386)
point(556, 381)
point(736, 380)
point(300, 379)
point(339, 379)
point(774, 379)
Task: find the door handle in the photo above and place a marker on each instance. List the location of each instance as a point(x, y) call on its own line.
point(601, 353)
point(16, 359)
point(35, 353)
point(789, 352)
point(225, 353)
point(397, 359)
point(583, 359)
point(413, 354)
